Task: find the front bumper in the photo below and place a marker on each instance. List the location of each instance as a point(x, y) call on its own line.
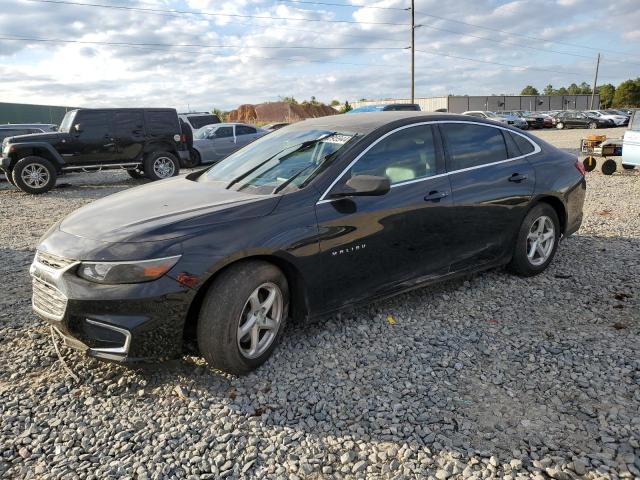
point(125, 323)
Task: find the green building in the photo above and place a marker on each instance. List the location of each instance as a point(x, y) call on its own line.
point(27, 113)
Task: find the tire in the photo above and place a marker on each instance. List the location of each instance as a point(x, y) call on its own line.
point(522, 263)
point(560, 125)
point(135, 173)
point(609, 167)
point(227, 307)
point(194, 160)
point(626, 166)
point(34, 175)
point(589, 163)
point(593, 125)
point(161, 165)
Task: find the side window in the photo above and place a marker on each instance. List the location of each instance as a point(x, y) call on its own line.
point(471, 145)
point(93, 124)
point(162, 123)
point(405, 155)
point(524, 145)
point(128, 124)
point(244, 130)
point(223, 132)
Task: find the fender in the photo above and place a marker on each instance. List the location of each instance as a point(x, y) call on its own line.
point(35, 148)
point(160, 145)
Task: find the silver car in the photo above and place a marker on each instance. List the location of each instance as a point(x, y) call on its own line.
point(212, 143)
point(508, 119)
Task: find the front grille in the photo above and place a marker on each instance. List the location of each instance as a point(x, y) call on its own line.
point(48, 300)
point(53, 261)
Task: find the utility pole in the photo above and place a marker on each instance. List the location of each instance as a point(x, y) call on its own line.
point(413, 49)
point(595, 82)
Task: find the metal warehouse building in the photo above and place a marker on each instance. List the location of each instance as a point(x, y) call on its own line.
point(495, 103)
point(28, 113)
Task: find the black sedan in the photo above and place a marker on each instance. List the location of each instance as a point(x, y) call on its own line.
point(312, 218)
point(575, 119)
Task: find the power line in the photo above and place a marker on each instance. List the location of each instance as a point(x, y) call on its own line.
point(350, 5)
point(498, 63)
point(131, 44)
point(519, 34)
point(209, 14)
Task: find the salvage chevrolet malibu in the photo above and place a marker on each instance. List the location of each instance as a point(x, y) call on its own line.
point(314, 217)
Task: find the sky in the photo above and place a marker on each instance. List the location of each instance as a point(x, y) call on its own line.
point(346, 51)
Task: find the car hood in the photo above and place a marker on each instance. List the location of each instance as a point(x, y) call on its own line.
point(49, 137)
point(163, 210)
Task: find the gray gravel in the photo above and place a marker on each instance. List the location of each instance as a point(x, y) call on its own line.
point(487, 377)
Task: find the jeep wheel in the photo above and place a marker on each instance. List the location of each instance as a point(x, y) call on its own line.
point(135, 173)
point(34, 175)
point(161, 165)
point(9, 178)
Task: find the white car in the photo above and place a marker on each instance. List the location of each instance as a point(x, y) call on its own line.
point(631, 144)
point(619, 120)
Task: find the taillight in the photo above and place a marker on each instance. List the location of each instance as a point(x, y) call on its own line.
point(580, 167)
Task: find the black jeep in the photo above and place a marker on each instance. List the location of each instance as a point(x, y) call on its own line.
point(144, 141)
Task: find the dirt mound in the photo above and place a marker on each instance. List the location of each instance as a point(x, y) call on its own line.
point(278, 112)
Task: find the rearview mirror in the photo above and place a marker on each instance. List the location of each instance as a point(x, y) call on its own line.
point(363, 186)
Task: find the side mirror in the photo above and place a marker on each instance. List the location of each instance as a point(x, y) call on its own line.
point(363, 186)
point(77, 128)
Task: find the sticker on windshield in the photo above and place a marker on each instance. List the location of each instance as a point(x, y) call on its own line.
point(337, 138)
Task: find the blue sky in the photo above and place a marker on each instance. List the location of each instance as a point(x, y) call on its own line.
point(557, 39)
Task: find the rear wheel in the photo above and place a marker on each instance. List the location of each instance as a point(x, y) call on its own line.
point(161, 165)
point(609, 167)
point(560, 125)
point(537, 241)
point(34, 175)
point(243, 316)
point(194, 160)
point(589, 163)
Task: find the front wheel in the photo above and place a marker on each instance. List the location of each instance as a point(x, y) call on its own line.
point(161, 165)
point(243, 316)
point(34, 175)
point(593, 125)
point(537, 241)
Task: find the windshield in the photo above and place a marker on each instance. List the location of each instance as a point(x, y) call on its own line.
point(67, 121)
point(281, 161)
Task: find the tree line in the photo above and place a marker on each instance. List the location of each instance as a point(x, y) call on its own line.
point(627, 94)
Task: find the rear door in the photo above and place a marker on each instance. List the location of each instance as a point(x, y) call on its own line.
point(128, 127)
point(631, 143)
point(244, 135)
point(492, 183)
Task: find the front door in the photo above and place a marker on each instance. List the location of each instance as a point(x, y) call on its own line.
point(492, 183)
point(128, 127)
point(221, 144)
point(91, 140)
point(377, 244)
point(631, 143)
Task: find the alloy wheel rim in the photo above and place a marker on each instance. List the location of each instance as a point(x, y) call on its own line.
point(35, 176)
point(164, 167)
point(540, 240)
point(260, 320)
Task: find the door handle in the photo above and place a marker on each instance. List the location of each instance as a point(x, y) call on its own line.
point(516, 177)
point(435, 196)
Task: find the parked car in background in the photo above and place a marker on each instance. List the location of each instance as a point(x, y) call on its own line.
point(631, 143)
point(272, 127)
point(533, 120)
point(144, 141)
point(616, 118)
point(576, 119)
point(496, 117)
point(198, 120)
point(212, 143)
point(15, 129)
point(318, 216)
point(389, 107)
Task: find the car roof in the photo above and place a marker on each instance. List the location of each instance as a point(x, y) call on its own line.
point(367, 122)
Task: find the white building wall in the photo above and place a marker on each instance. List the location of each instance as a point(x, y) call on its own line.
point(430, 104)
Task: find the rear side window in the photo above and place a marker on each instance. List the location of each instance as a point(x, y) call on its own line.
point(162, 123)
point(244, 130)
point(223, 132)
point(471, 145)
point(403, 156)
point(524, 145)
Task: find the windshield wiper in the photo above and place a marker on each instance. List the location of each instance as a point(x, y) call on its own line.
point(300, 146)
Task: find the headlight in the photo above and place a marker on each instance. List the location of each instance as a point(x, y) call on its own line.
point(126, 272)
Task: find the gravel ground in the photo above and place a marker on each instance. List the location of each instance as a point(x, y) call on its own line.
point(489, 377)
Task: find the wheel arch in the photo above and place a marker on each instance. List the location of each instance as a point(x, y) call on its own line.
point(160, 146)
point(559, 207)
point(298, 304)
point(43, 150)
